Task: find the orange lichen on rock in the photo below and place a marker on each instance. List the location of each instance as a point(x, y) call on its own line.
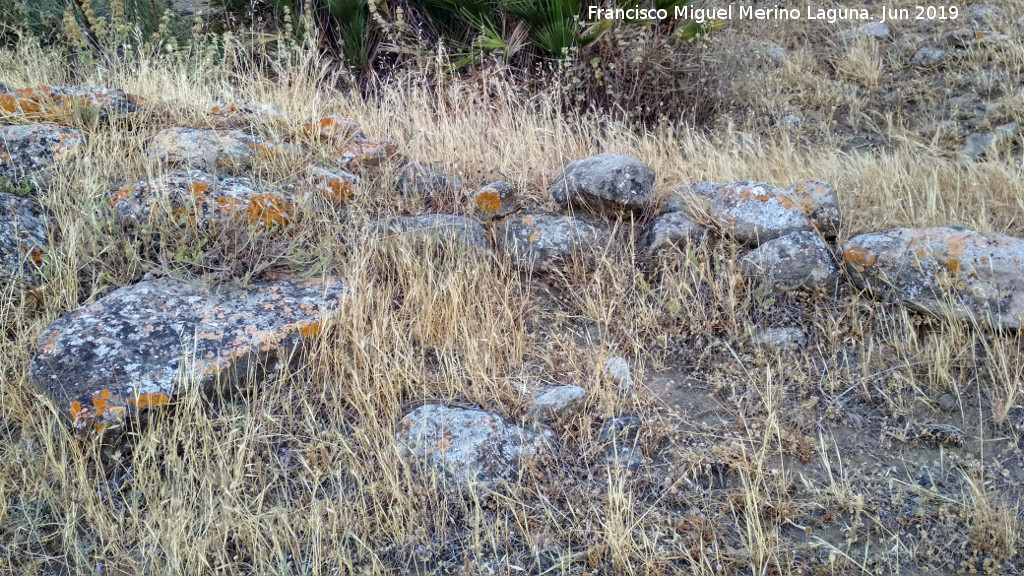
point(337, 189)
point(198, 187)
point(367, 153)
point(76, 410)
point(229, 205)
point(32, 102)
point(309, 330)
point(269, 210)
point(154, 400)
point(489, 201)
point(118, 196)
point(859, 257)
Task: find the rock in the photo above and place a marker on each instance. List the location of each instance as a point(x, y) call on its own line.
point(465, 446)
point(979, 143)
point(860, 143)
point(414, 179)
point(877, 30)
point(948, 402)
point(618, 369)
point(338, 131)
point(496, 200)
point(943, 269)
point(781, 339)
point(350, 148)
point(928, 56)
point(755, 212)
point(774, 53)
point(985, 15)
point(206, 200)
point(800, 260)
point(675, 229)
point(29, 151)
point(559, 403)
point(365, 154)
point(442, 228)
point(701, 189)
point(622, 430)
point(245, 113)
point(545, 242)
point(622, 435)
point(962, 38)
point(57, 103)
point(23, 227)
point(605, 184)
point(334, 185)
point(214, 150)
point(142, 346)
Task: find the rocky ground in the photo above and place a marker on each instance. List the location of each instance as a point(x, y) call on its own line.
point(248, 337)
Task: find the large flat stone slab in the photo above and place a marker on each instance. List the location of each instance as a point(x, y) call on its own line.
point(143, 345)
point(943, 269)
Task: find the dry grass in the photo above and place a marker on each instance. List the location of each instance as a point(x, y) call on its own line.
point(820, 461)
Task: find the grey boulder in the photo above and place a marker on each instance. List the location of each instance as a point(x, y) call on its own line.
point(800, 260)
point(606, 184)
point(544, 242)
point(673, 229)
point(559, 403)
point(755, 212)
point(445, 229)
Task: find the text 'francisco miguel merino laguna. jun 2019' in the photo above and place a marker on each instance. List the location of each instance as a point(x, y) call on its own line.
point(749, 12)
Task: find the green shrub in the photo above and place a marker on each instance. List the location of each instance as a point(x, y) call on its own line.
point(45, 19)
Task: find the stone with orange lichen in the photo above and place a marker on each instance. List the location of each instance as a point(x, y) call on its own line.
point(606, 184)
point(466, 447)
point(48, 103)
point(208, 201)
point(23, 231)
point(546, 242)
point(797, 261)
point(337, 131)
point(142, 346)
point(444, 229)
point(943, 270)
point(215, 150)
point(242, 114)
point(30, 151)
point(496, 200)
point(755, 212)
point(333, 185)
point(365, 154)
